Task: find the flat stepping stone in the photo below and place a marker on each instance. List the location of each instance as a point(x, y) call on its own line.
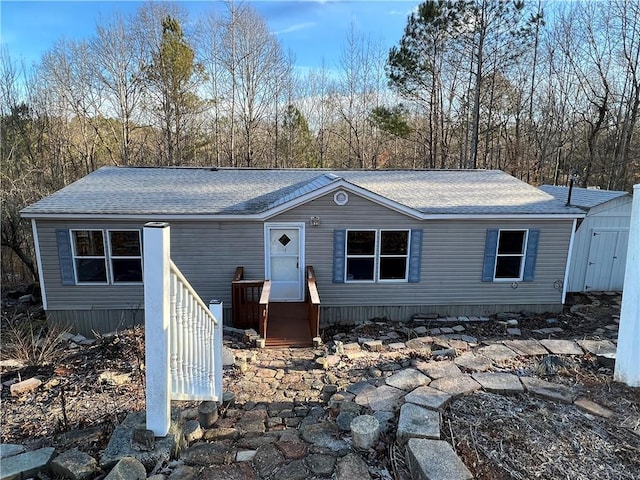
point(351, 467)
point(10, 449)
point(428, 397)
point(497, 352)
point(28, 464)
point(527, 348)
point(598, 347)
point(408, 379)
point(325, 435)
point(504, 383)
point(458, 385)
point(435, 370)
point(435, 459)
point(420, 343)
point(472, 361)
point(548, 390)
point(76, 465)
point(397, 346)
point(593, 407)
point(562, 347)
point(417, 422)
point(386, 398)
point(360, 387)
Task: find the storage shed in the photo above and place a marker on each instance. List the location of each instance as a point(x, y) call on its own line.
point(599, 251)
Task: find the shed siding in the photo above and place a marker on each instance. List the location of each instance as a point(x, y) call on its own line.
point(612, 215)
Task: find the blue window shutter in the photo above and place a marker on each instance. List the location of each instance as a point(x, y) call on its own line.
point(65, 257)
point(339, 244)
point(415, 255)
point(490, 249)
point(531, 255)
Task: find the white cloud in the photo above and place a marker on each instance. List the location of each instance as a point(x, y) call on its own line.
point(296, 27)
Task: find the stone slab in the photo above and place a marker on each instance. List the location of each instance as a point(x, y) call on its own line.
point(474, 362)
point(74, 465)
point(130, 469)
point(561, 347)
point(120, 445)
point(592, 407)
point(10, 449)
point(417, 422)
point(428, 397)
point(598, 347)
point(407, 379)
point(548, 390)
point(24, 386)
point(434, 460)
point(497, 352)
point(505, 383)
point(386, 398)
point(458, 385)
point(435, 370)
point(527, 348)
point(26, 465)
point(352, 467)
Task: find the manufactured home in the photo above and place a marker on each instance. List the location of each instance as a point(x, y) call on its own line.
point(383, 244)
point(599, 252)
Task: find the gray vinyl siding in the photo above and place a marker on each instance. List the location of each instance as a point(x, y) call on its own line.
point(452, 258)
point(208, 253)
point(612, 215)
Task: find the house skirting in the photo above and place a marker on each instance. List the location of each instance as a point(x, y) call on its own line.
point(86, 322)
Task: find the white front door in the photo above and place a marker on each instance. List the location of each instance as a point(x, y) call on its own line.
point(284, 261)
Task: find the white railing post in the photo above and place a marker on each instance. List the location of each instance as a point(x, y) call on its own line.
point(156, 326)
point(215, 307)
point(627, 369)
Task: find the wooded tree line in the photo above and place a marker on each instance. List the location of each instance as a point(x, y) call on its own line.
point(541, 90)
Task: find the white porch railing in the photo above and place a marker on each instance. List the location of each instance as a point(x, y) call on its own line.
point(183, 337)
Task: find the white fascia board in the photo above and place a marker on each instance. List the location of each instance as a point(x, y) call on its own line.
point(36, 247)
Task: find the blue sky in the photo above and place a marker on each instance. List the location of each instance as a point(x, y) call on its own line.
point(313, 30)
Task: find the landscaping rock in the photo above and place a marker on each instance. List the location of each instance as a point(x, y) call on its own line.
point(203, 454)
point(9, 450)
point(548, 390)
point(592, 407)
point(417, 422)
point(74, 465)
point(207, 414)
point(365, 430)
point(526, 347)
point(352, 467)
point(321, 464)
point(504, 383)
point(434, 459)
point(192, 431)
point(497, 352)
point(25, 386)
point(473, 362)
point(428, 397)
point(561, 347)
point(267, 460)
point(27, 464)
point(435, 370)
point(128, 468)
point(407, 379)
point(324, 434)
point(458, 385)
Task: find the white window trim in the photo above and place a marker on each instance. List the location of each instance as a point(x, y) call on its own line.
point(107, 257)
point(128, 257)
point(75, 256)
point(521, 255)
point(377, 255)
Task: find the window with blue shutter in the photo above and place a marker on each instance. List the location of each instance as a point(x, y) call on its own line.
point(510, 255)
point(65, 257)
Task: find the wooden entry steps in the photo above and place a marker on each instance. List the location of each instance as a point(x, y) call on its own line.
point(288, 325)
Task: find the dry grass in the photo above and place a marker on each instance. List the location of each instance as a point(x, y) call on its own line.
point(30, 340)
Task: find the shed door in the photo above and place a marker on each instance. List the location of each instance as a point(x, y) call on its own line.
point(606, 261)
point(285, 261)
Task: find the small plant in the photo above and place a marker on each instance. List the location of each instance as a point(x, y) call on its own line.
point(31, 341)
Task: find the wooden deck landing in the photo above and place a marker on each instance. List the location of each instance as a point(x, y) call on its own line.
point(288, 325)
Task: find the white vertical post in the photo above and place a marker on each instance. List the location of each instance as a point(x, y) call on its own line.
point(627, 368)
point(156, 326)
point(215, 307)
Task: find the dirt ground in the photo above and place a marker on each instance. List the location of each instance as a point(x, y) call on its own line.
point(497, 436)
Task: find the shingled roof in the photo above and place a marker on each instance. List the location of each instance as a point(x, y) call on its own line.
point(227, 191)
point(582, 197)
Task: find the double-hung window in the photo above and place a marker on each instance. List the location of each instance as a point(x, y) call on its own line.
point(111, 256)
point(510, 254)
point(377, 255)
